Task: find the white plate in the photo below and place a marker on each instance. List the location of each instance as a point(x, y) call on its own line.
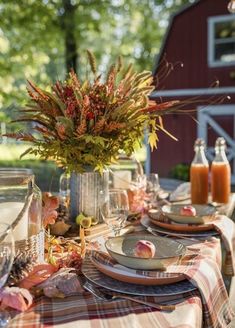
point(204, 214)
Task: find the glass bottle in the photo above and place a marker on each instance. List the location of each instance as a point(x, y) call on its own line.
point(220, 174)
point(199, 173)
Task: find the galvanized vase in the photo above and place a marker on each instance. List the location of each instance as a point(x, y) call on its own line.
point(87, 192)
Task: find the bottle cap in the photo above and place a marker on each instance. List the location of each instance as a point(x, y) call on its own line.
point(199, 143)
point(220, 143)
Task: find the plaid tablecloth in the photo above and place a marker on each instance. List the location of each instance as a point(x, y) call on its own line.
point(86, 311)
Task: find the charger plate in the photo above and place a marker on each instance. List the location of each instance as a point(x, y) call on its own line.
point(147, 223)
point(105, 264)
point(163, 221)
point(102, 280)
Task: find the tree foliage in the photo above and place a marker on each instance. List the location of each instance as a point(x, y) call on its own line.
point(40, 39)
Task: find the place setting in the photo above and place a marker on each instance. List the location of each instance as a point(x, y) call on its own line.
point(138, 265)
point(144, 265)
point(184, 217)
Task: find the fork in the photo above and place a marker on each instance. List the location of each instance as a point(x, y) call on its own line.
point(108, 297)
point(150, 230)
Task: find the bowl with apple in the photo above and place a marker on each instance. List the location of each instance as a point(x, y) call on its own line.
point(145, 252)
point(190, 213)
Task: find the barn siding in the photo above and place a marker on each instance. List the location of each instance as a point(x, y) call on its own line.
point(187, 43)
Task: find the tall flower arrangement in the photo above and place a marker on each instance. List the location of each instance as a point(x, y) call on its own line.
point(88, 123)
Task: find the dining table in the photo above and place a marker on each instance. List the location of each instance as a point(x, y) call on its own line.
point(206, 304)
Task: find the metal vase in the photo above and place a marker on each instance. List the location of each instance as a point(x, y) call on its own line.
point(87, 192)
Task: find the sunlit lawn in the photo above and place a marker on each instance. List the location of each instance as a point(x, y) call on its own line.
point(11, 151)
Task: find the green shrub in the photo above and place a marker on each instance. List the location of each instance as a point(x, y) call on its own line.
point(46, 172)
point(180, 172)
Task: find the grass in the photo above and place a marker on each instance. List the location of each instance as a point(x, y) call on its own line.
point(46, 172)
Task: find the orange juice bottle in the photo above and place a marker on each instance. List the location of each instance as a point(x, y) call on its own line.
point(220, 174)
point(199, 173)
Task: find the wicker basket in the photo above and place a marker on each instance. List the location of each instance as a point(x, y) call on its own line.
point(19, 189)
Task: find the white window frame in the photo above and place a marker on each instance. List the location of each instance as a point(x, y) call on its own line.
point(211, 41)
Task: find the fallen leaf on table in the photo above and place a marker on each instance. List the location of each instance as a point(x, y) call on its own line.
point(40, 273)
point(49, 205)
point(62, 283)
point(16, 298)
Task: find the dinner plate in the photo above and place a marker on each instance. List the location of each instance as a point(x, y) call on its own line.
point(111, 268)
point(167, 251)
point(145, 221)
point(102, 280)
point(157, 218)
point(204, 213)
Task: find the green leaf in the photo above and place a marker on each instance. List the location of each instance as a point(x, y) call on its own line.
point(27, 151)
point(152, 140)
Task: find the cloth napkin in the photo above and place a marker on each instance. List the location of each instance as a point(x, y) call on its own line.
point(226, 228)
point(204, 273)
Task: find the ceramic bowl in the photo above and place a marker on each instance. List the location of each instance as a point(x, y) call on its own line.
point(167, 252)
point(204, 214)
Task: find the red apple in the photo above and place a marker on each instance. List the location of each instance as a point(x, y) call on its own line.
point(188, 210)
point(145, 249)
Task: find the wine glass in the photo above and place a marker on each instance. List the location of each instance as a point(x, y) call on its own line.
point(114, 210)
point(152, 188)
point(7, 253)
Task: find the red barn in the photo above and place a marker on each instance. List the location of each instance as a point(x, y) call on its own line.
point(202, 37)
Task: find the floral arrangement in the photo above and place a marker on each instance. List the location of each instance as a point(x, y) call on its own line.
point(88, 123)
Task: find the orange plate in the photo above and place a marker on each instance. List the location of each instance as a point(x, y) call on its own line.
point(170, 225)
point(161, 278)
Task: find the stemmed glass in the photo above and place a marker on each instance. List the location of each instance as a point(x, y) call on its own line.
point(152, 187)
point(7, 253)
point(114, 210)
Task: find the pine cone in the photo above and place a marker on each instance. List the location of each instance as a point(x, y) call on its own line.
point(21, 267)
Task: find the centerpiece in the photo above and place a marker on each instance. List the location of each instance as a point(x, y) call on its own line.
point(83, 126)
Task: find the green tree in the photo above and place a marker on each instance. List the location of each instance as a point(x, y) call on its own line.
point(42, 39)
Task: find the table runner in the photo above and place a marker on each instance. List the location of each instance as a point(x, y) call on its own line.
point(85, 311)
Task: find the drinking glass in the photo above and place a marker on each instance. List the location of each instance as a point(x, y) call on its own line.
point(152, 188)
point(114, 210)
point(7, 253)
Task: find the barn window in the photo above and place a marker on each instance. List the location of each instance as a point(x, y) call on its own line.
point(221, 40)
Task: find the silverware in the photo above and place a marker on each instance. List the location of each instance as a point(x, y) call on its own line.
point(149, 229)
point(106, 296)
